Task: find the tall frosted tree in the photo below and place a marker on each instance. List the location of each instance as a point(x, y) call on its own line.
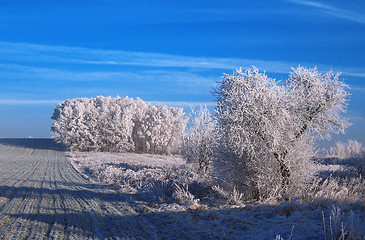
point(267, 129)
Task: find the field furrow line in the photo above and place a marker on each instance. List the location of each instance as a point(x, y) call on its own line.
point(42, 196)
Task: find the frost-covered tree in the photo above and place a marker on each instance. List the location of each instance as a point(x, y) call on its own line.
point(199, 139)
point(350, 153)
point(159, 130)
point(117, 125)
point(266, 128)
point(95, 124)
point(342, 151)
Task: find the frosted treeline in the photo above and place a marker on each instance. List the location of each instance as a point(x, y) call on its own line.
point(343, 151)
point(351, 153)
point(259, 141)
point(257, 146)
point(118, 125)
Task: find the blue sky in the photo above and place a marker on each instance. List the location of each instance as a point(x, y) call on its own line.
point(166, 51)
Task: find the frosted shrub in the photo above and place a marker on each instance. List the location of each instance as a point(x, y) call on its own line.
point(351, 153)
point(117, 125)
point(159, 130)
point(233, 197)
point(266, 129)
point(351, 149)
point(342, 190)
point(182, 195)
point(199, 140)
point(339, 226)
point(159, 179)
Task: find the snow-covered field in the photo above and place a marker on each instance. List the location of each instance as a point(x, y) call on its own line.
point(132, 196)
point(43, 197)
point(181, 204)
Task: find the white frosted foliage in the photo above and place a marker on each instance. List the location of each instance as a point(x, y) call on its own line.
point(199, 139)
point(267, 129)
point(118, 125)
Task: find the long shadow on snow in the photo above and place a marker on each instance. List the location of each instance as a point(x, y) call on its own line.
point(156, 225)
point(36, 143)
point(67, 184)
point(164, 225)
point(108, 226)
point(92, 191)
point(206, 224)
point(136, 226)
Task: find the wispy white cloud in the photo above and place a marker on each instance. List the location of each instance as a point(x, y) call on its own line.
point(354, 73)
point(238, 13)
point(358, 89)
point(191, 81)
point(24, 56)
point(24, 52)
point(29, 101)
point(357, 119)
point(17, 71)
point(333, 11)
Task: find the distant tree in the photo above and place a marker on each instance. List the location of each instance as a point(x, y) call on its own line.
point(266, 129)
point(342, 151)
point(199, 139)
point(351, 153)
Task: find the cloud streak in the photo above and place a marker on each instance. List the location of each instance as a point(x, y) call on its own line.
point(29, 54)
point(189, 80)
point(358, 89)
point(59, 63)
point(333, 11)
point(24, 52)
point(29, 102)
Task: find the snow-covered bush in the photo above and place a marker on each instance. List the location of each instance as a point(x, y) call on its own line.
point(347, 190)
point(351, 149)
point(158, 179)
point(183, 195)
point(266, 129)
point(117, 125)
point(340, 226)
point(351, 154)
point(199, 140)
point(159, 130)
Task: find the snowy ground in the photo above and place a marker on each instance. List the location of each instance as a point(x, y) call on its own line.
point(43, 197)
point(129, 196)
point(160, 185)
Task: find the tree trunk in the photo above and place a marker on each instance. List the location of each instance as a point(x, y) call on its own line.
point(284, 170)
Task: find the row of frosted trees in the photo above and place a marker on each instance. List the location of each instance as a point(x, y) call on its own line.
point(259, 140)
point(118, 125)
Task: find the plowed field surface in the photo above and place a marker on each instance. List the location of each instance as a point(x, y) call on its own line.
point(43, 197)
